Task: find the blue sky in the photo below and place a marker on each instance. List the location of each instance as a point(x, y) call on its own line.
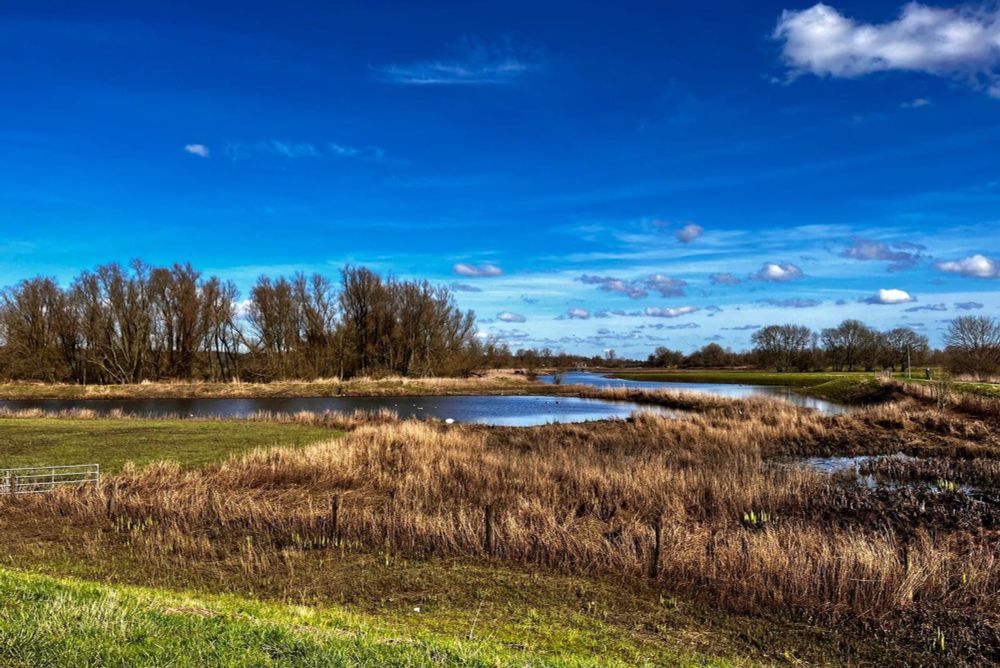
point(586, 175)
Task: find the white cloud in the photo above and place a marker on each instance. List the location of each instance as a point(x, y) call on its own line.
point(689, 233)
point(916, 103)
point(959, 41)
point(476, 64)
point(890, 296)
point(197, 149)
point(507, 316)
point(666, 312)
point(977, 266)
point(665, 285)
point(486, 269)
point(578, 313)
point(777, 272)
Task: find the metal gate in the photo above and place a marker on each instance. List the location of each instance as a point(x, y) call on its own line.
point(34, 479)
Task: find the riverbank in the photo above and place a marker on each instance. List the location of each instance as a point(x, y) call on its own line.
point(494, 383)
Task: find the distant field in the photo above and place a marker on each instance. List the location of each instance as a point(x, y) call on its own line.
point(112, 442)
point(745, 377)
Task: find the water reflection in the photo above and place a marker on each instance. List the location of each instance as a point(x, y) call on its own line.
point(732, 390)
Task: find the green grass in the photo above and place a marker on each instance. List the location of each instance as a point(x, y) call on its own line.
point(46, 621)
point(111, 442)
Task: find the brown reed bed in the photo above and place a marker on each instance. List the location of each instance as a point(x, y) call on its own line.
point(492, 383)
point(692, 504)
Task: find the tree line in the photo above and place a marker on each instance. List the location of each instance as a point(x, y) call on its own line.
point(133, 323)
point(137, 322)
point(972, 347)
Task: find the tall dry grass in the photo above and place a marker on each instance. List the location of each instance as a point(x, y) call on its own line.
point(582, 498)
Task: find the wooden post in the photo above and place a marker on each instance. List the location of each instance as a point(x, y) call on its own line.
point(654, 559)
point(112, 491)
point(335, 519)
point(489, 538)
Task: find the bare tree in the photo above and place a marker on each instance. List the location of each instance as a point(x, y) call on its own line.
point(974, 345)
point(783, 347)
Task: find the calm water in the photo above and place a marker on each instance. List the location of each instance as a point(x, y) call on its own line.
point(511, 411)
point(721, 389)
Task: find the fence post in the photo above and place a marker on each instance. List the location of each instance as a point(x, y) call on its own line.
point(489, 537)
point(654, 560)
point(112, 493)
point(335, 519)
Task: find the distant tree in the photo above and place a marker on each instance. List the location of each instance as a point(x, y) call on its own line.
point(783, 347)
point(710, 355)
point(974, 345)
point(902, 345)
point(847, 344)
point(665, 358)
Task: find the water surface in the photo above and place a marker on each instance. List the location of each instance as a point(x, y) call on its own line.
point(731, 390)
point(512, 411)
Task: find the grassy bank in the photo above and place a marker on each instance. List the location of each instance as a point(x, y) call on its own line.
point(65, 622)
point(47, 441)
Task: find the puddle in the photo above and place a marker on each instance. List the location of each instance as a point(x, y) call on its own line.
point(846, 466)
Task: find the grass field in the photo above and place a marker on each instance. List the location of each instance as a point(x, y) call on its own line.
point(112, 442)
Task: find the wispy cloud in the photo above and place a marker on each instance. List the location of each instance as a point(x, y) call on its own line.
point(724, 279)
point(638, 288)
point(905, 255)
point(577, 314)
point(464, 287)
point(976, 266)
point(960, 42)
point(507, 316)
point(300, 149)
point(475, 63)
point(927, 307)
point(477, 270)
point(197, 149)
point(609, 284)
point(792, 302)
point(916, 103)
point(968, 306)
